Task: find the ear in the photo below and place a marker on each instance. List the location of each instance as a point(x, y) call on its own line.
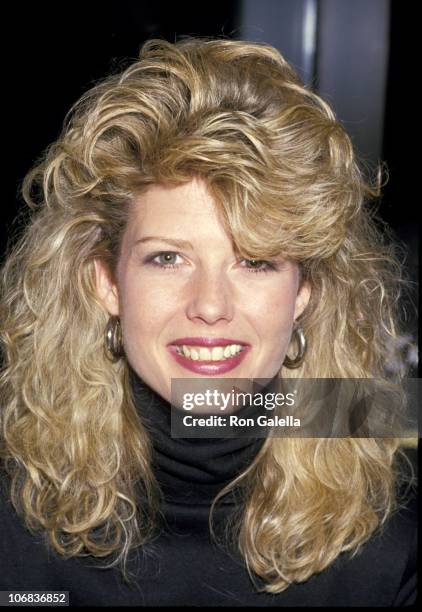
point(106, 288)
point(302, 298)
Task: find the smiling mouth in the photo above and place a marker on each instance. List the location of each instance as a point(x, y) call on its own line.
point(209, 360)
point(211, 354)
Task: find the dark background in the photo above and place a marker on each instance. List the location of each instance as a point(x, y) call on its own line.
point(358, 55)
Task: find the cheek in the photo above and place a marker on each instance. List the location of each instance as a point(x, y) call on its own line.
point(143, 311)
point(273, 310)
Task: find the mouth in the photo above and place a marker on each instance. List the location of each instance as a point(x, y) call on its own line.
point(208, 356)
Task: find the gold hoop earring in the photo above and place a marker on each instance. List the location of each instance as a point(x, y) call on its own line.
point(113, 339)
point(301, 343)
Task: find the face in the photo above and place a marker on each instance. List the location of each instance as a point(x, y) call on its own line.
point(189, 305)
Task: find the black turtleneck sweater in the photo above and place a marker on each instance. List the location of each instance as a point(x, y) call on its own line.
point(183, 565)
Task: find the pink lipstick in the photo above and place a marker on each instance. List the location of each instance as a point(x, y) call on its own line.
point(208, 367)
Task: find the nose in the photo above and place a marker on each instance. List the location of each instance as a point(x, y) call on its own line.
point(210, 298)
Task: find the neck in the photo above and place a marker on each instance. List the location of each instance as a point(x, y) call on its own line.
point(189, 469)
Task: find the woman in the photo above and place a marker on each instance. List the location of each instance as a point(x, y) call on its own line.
point(201, 215)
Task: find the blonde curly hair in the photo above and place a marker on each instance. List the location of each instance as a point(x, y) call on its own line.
point(286, 180)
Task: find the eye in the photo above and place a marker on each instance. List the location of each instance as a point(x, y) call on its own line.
point(259, 265)
point(165, 259)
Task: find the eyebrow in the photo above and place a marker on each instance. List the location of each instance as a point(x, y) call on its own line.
point(174, 241)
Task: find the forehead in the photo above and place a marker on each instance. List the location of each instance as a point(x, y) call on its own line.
point(169, 208)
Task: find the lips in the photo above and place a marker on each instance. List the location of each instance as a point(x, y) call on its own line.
point(208, 367)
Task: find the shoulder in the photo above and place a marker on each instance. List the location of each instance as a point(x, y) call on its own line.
point(401, 527)
point(383, 572)
point(404, 533)
point(23, 555)
point(392, 552)
point(13, 528)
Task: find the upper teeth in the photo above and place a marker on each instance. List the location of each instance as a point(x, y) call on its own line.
point(205, 354)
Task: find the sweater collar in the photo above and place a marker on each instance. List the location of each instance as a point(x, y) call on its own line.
point(189, 469)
